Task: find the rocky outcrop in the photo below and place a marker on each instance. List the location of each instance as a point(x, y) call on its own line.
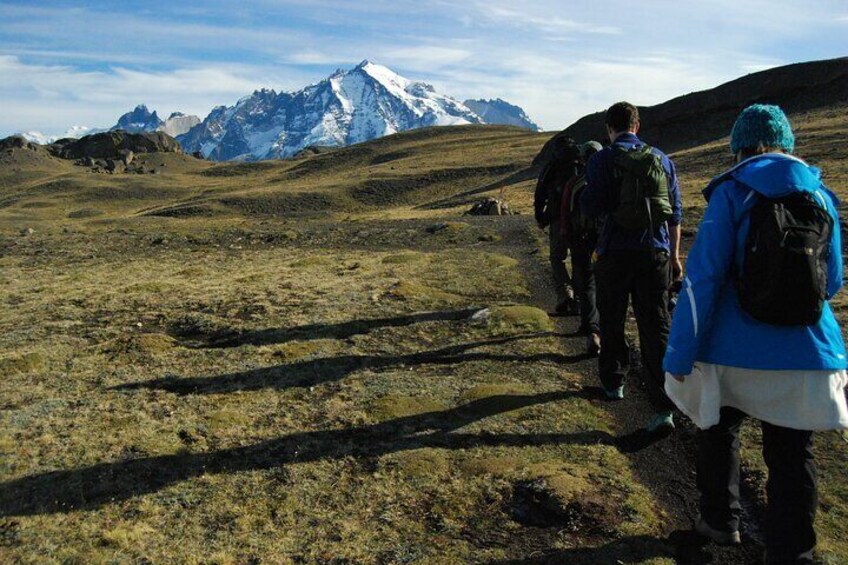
point(17, 142)
point(118, 146)
point(178, 124)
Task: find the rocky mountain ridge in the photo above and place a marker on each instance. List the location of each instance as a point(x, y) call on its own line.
point(501, 112)
point(364, 103)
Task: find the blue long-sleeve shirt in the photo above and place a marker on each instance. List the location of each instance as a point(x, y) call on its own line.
point(600, 198)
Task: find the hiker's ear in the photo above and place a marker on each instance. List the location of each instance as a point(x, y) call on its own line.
point(636, 127)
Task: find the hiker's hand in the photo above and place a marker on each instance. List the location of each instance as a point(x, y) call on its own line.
point(676, 269)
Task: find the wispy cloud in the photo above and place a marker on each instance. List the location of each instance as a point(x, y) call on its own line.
point(51, 97)
point(550, 23)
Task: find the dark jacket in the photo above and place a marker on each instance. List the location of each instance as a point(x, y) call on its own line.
point(600, 198)
point(549, 187)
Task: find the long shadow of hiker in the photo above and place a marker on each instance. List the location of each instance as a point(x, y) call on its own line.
point(341, 330)
point(94, 486)
point(317, 371)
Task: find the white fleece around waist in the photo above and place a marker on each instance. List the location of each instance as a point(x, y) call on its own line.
point(802, 400)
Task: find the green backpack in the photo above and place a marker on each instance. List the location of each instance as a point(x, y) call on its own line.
point(643, 200)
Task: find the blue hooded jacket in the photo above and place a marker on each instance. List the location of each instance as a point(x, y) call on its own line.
point(708, 324)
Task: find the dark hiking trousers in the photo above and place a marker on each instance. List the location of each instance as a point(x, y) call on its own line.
point(791, 485)
point(583, 280)
point(558, 255)
point(644, 277)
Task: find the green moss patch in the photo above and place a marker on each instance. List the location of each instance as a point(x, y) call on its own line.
point(392, 406)
point(522, 318)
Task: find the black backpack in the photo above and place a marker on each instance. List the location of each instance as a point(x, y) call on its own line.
point(784, 270)
point(582, 227)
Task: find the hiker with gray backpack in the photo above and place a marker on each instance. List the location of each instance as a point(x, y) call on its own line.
point(753, 333)
point(580, 234)
point(547, 200)
point(634, 188)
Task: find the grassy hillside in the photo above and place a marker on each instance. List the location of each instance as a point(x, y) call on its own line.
point(277, 362)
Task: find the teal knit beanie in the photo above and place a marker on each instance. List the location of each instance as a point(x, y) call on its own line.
point(762, 125)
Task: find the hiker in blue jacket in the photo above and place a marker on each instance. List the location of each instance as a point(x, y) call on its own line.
point(725, 361)
point(632, 263)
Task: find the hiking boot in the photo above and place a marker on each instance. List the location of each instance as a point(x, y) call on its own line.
point(661, 422)
point(568, 303)
point(593, 345)
point(567, 306)
point(614, 393)
point(717, 536)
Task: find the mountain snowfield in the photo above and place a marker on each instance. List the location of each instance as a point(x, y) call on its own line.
point(364, 103)
point(348, 107)
point(74, 132)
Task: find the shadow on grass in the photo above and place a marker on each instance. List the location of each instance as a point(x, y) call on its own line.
point(684, 546)
point(316, 371)
point(105, 483)
point(341, 330)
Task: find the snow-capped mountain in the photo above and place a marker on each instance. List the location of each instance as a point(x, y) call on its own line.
point(364, 103)
point(498, 111)
point(139, 120)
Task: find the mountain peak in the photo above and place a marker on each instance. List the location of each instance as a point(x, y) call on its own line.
point(351, 106)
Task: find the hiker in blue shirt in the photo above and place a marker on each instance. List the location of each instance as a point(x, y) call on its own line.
point(753, 334)
point(637, 263)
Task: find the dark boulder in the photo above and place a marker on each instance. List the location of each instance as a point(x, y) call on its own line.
point(17, 142)
point(114, 145)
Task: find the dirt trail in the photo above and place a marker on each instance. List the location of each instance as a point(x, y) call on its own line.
point(665, 465)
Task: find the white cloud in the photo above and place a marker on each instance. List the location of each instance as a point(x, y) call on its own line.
point(49, 98)
point(549, 23)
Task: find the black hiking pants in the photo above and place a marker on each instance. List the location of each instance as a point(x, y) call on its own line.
point(791, 485)
point(644, 277)
point(583, 280)
point(558, 255)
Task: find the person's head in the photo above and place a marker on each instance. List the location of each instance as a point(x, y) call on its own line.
point(566, 150)
point(761, 128)
point(588, 149)
point(621, 117)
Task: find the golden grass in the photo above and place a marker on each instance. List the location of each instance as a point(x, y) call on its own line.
point(303, 380)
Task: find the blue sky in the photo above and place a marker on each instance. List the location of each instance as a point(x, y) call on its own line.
point(85, 63)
